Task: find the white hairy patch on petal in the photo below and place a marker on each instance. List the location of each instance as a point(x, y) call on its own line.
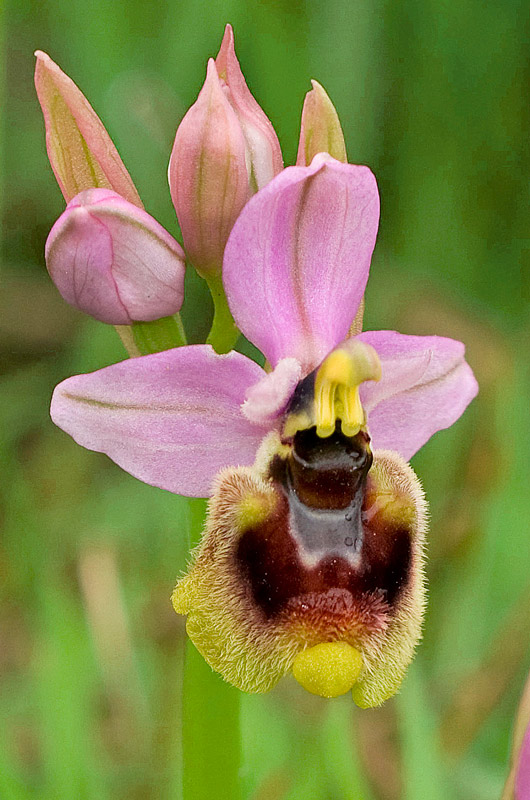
point(269, 398)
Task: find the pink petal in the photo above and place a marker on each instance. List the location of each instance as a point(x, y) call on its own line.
point(426, 385)
point(80, 150)
point(113, 261)
point(522, 779)
point(297, 260)
point(172, 419)
point(208, 175)
point(268, 398)
point(263, 147)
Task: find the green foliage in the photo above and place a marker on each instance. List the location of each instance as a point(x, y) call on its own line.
point(432, 96)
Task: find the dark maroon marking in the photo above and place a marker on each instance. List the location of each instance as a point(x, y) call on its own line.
point(353, 554)
point(304, 394)
point(327, 473)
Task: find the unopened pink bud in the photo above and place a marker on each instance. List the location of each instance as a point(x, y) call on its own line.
point(80, 150)
point(225, 150)
point(208, 175)
point(320, 131)
point(113, 261)
point(263, 148)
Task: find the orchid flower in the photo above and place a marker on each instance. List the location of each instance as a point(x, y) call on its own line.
point(312, 557)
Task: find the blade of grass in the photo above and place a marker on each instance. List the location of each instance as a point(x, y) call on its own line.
point(12, 787)
point(211, 746)
point(64, 675)
point(423, 773)
point(265, 741)
point(210, 732)
point(343, 768)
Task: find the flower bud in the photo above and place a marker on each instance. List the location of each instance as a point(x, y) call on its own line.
point(80, 150)
point(225, 149)
point(320, 131)
point(263, 148)
point(113, 261)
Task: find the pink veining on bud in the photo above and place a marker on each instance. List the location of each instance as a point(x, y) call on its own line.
point(225, 150)
point(80, 150)
point(320, 131)
point(263, 148)
point(208, 175)
point(113, 261)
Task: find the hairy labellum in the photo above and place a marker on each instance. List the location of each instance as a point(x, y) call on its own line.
point(317, 543)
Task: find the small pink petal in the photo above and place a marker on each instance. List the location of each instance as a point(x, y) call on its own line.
point(113, 261)
point(522, 778)
point(263, 147)
point(80, 150)
point(426, 385)
point(172, 419)
point(208, 175)
point(268, 398)
point(297, 261)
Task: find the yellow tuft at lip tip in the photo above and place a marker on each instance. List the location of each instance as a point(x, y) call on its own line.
point(328, 669)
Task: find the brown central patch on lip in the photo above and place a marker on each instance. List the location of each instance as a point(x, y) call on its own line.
point(325, 473)
point(334, 545)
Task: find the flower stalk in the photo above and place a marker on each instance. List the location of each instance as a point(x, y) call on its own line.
point(144, 338)
point(211, 744)
point(224, 332)
point(211, 737)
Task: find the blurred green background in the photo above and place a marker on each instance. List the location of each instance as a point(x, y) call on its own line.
point(433, 97)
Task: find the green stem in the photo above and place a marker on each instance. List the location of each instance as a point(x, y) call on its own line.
point(338, 744)
point(142, 338)
point(224, 333)
point(211, 746)
point(210, 732)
